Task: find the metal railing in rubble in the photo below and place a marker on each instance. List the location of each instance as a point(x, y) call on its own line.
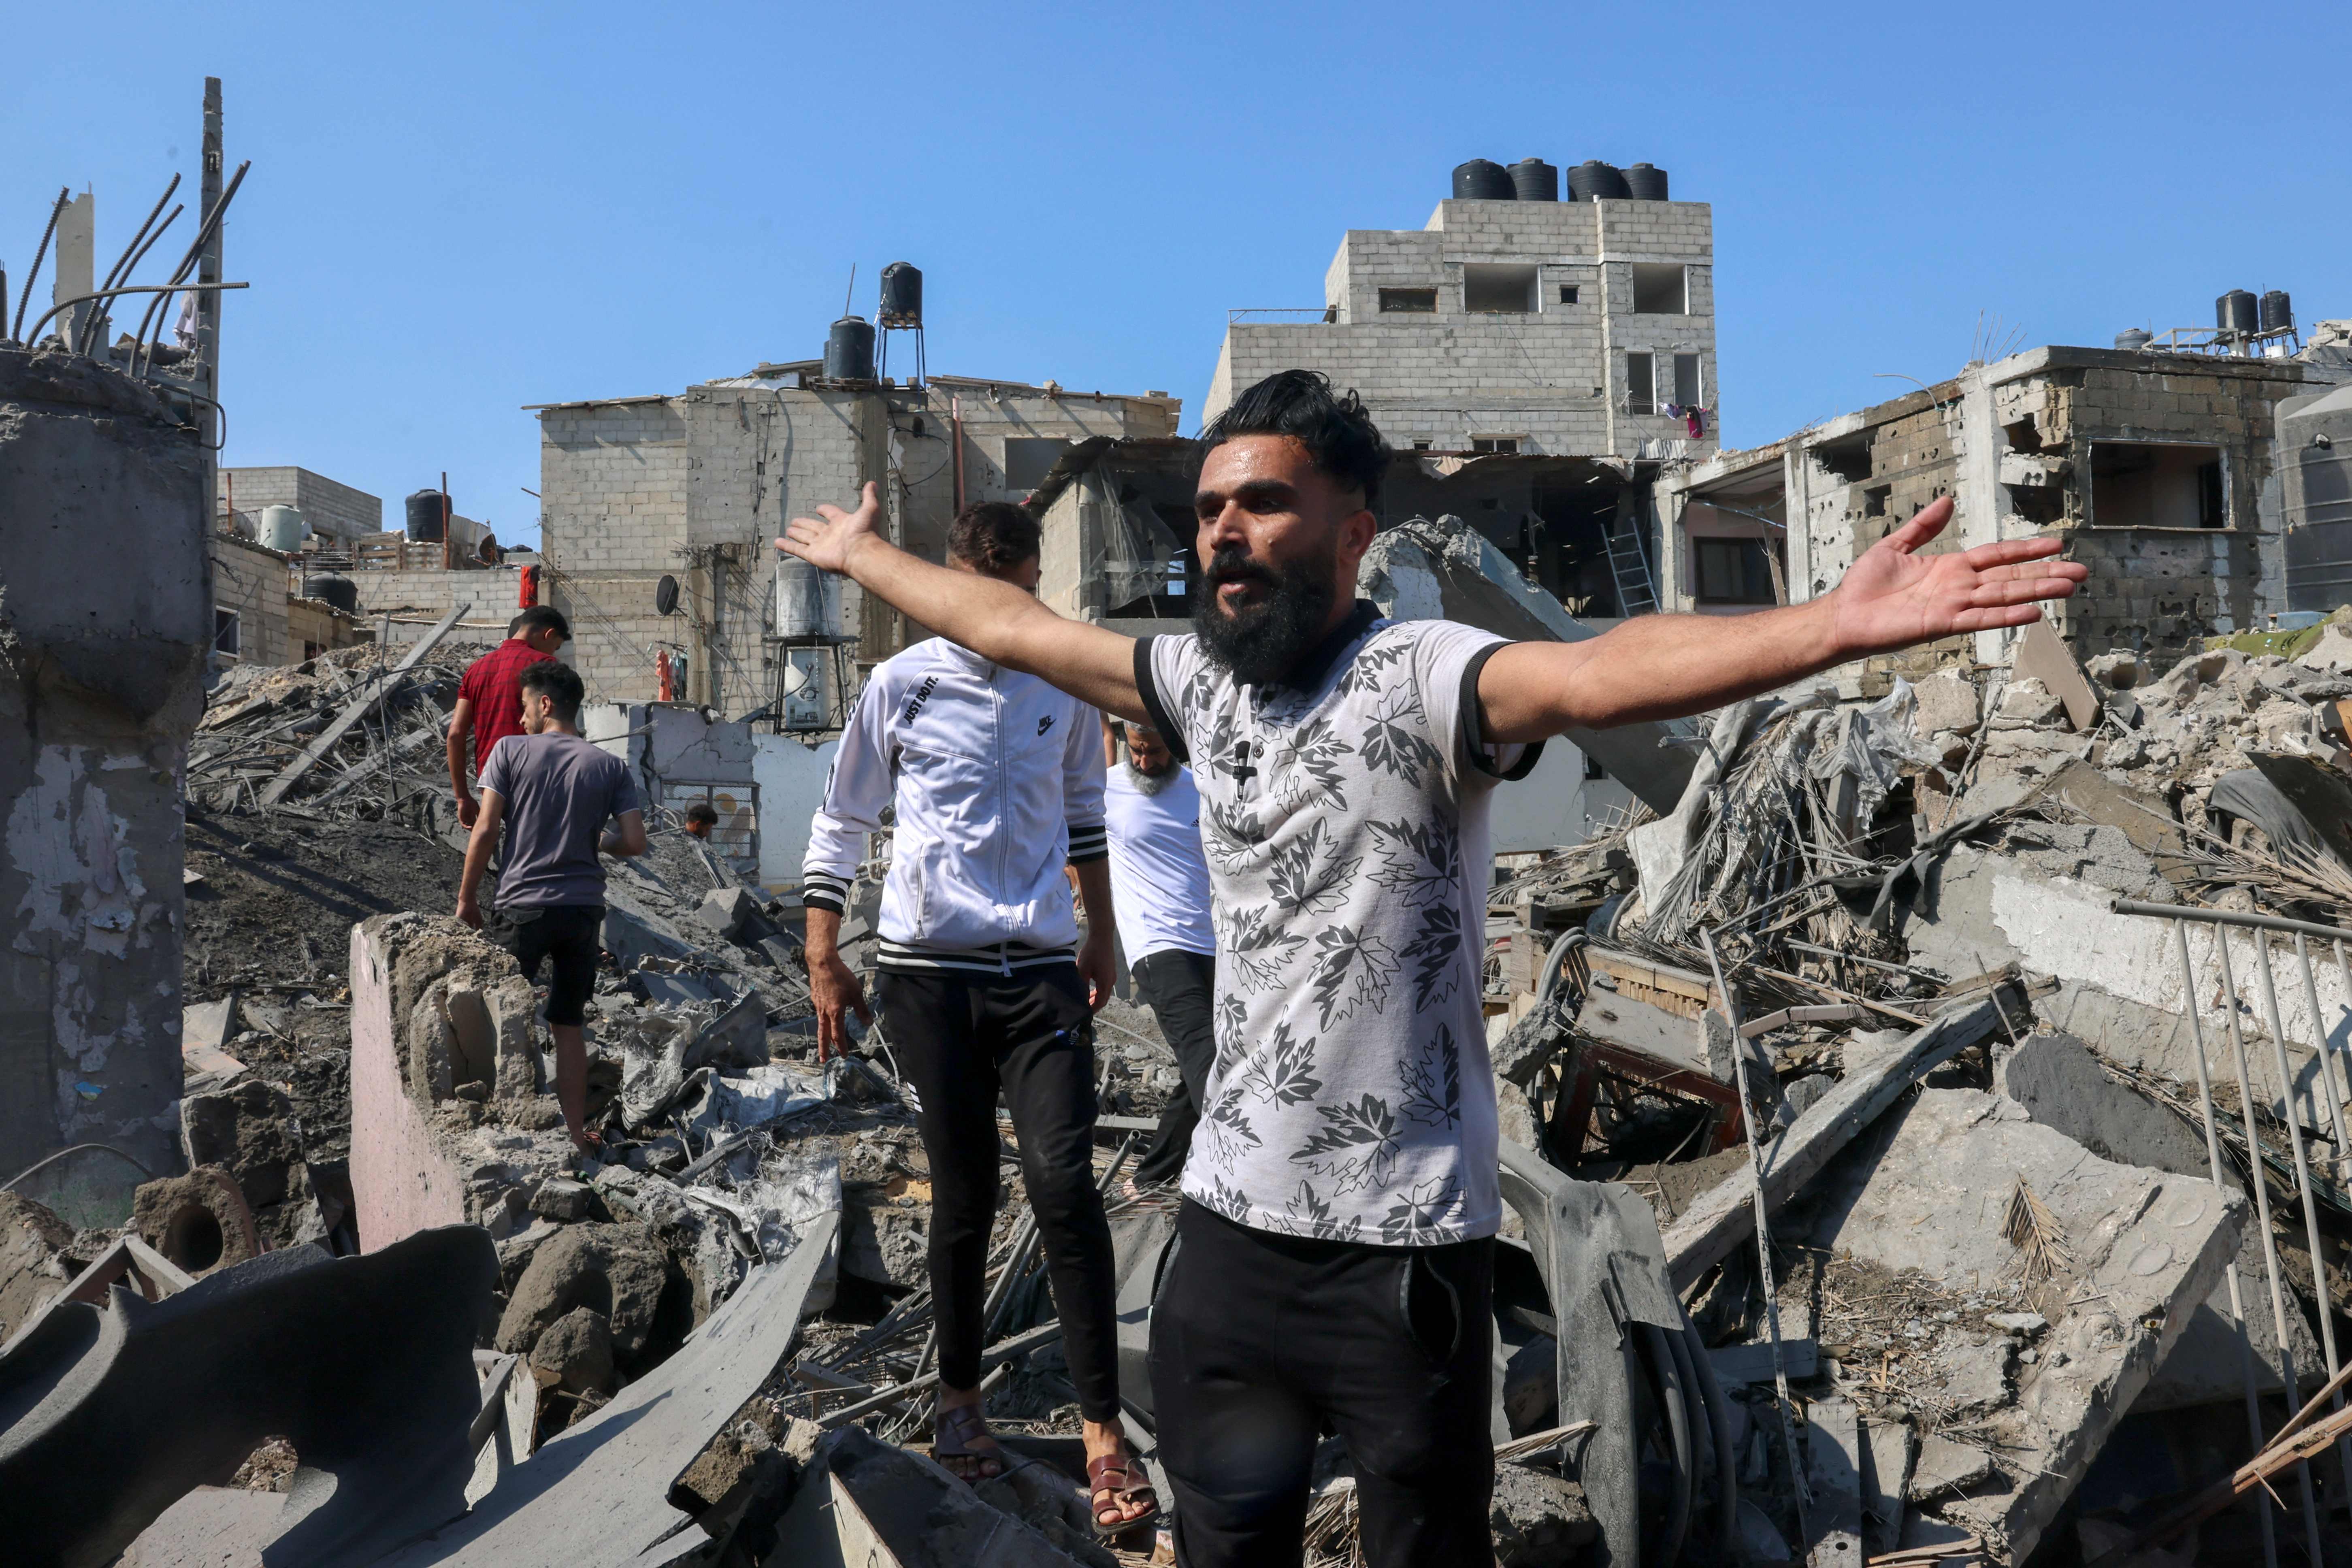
point(2329, 1059)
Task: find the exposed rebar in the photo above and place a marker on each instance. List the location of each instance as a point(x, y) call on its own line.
point(40, 253)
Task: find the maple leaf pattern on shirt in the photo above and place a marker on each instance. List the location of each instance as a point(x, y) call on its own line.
point(1301, 879)
point(1352, 970)
point(1311, 765)
point(1225, 1131)
point(1356, 1145)
point(1397, 740)
point(1257, 948)
point(1418, 1216)
point(1433, 1081)
point(1232, 838)
point(1310, 1215)
point(1420, 860)
point(1432, 953)
point(1284, 1073)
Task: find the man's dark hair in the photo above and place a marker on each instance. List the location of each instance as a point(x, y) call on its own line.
point(537, 616)
point(561, 684)
point(702, 811)
point(994, 535)
point(1332, 425)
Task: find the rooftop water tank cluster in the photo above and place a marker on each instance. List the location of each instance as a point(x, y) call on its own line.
point(1533, 179)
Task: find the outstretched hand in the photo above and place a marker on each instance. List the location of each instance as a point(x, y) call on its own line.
point(826, 539)
point(1893, 598)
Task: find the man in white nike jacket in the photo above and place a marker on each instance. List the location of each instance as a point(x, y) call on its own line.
point(996, 782)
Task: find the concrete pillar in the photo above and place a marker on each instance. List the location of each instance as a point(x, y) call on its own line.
point(1979, 498)
point(101, 681)
point(76, 270)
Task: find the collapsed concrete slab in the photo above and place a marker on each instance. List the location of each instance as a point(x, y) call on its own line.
point(1927, 1192)
point(453, 1121)
point(101, 687)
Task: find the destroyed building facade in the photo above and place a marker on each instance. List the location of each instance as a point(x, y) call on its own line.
point(2159, 470)
point(696, 486)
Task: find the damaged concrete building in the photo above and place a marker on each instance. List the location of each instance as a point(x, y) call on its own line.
point(2163, 469)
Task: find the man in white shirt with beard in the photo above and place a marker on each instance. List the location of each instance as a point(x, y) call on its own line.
point(1159, 885)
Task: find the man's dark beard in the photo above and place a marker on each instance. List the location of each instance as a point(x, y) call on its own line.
point(1259, 642)
point(1149, 783)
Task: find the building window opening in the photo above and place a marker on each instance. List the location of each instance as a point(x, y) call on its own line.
point(1028, 459)
point(1641, 384)
point(1686, 387)
point(226, 635)
point(1567, 293)
point(1505, 445)
point(1421, 446)
point(1497, 289)
point(1733, 570)
point(1408, 301)
point(1874, 499)
point(1592, 768)
point(1659, 289)
point(2145, 484)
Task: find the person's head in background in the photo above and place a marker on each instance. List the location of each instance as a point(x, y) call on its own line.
point(551, 695)
point(997, 539)
point(1144, 754)
point(701, 817)
point(542, 627)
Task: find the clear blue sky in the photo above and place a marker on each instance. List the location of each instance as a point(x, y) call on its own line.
point(457, 210)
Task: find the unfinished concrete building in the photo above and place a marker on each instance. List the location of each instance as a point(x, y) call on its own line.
point(1579, 328)
point(694, 487)
point(2159, 470)
point(331, 509)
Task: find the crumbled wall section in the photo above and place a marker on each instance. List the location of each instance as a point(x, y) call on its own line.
point(101, 685)
point(453, 1121)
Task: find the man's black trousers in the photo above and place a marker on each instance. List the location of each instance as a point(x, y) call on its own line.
point(1259, 1340)
point(1181, 988)
point(960, 1037)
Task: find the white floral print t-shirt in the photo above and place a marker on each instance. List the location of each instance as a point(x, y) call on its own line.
point(1344, 815)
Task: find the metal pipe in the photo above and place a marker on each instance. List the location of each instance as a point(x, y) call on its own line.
point(211, 221)
point(2262, 1216)
point(40, 254)
point(2227, 918)
point(2230, 1270)
point(141, 257)
point(2302, 1178)
point(1666, 1380)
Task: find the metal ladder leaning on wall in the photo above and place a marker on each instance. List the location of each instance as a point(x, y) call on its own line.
point(1636, 594)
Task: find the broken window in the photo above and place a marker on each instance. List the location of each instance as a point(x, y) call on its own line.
point(1498, 288)
point(226, 634)
point(1592, 768)
point(1658, 289)
point(1567, 293)
point(1029, 458)
point(1687, 388)
point(1641, 384)
point(1409, 302)
point(1732, 572)
point(2147, 484)
point(1505, 444)
point(1422, 446)
point(1874, 499)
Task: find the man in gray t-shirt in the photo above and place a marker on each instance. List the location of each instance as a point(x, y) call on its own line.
point(554, 793)
point(1336, 1248)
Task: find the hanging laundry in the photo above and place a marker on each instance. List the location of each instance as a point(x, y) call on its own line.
point(1695, 422)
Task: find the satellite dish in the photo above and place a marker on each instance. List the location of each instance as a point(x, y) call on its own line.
point(666, 594)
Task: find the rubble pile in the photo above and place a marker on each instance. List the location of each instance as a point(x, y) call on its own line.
point(1908, 913)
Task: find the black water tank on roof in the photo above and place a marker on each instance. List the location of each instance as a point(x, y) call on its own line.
point(1645, 182)
point(2237, 311)
point(427, 514)
point(1483, 180)
point(902, 296)
point(849, 350)
point(2277, 311)
point(337, 590)
point(1594, 178)
point(1533, 179)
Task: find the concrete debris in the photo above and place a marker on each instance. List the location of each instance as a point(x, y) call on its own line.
point(1538, 1517)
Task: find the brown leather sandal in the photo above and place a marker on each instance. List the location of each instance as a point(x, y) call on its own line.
point(954, 1435)
point(1118, 1479)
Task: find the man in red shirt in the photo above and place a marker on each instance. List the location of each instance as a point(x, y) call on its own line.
point(490, 699)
